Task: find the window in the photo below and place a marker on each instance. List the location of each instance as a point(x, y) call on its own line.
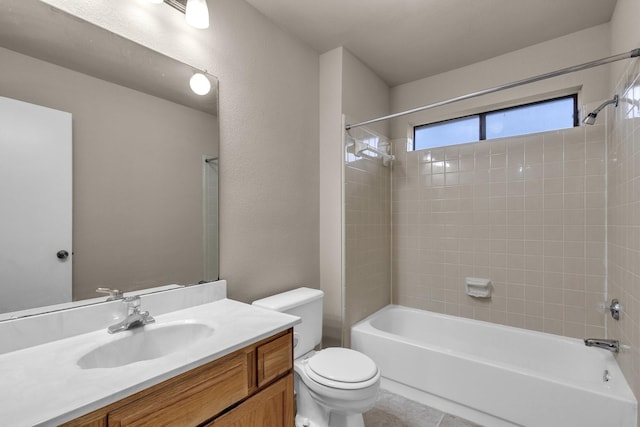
point(552, 114)
point(456, 131)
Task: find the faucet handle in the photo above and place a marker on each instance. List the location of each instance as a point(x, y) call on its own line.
point(113, 293)
point(147, 318)
point(132, 300)
point(133, 303)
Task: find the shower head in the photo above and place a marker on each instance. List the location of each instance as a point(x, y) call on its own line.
point(591, 117)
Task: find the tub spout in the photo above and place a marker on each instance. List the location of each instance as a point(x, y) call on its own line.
point(611, 345)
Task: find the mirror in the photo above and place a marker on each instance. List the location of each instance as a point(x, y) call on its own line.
point(145, 151)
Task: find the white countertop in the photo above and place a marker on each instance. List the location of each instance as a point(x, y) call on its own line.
point(42, 385)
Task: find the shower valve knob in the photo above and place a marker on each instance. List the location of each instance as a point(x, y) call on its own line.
point(614, 308)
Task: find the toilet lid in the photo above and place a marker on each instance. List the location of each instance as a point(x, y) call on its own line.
point(343, 365)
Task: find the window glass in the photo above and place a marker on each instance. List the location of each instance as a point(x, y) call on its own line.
point(457, 131)
point(553, 114)
point(541, 117)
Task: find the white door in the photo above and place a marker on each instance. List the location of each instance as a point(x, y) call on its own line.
point(35, 205)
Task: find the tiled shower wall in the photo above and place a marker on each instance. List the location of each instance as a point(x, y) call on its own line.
point(367, 240)
point(526, 212)
point(624, 223)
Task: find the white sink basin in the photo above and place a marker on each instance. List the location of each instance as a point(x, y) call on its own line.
point(144, 343)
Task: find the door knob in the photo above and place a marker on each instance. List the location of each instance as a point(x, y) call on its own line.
point(62, 254)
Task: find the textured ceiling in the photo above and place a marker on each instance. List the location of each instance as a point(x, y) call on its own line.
point(405, 40)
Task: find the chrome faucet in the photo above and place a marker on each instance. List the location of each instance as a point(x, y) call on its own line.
point(611, 345)
point(113, 293)
point(135, 318)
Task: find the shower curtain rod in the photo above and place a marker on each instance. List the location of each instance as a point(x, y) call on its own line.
point(631, 54)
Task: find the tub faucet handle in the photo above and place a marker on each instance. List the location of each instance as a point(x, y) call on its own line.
point(614, 308)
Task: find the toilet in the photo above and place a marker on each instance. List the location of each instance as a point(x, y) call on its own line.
point(333, 386)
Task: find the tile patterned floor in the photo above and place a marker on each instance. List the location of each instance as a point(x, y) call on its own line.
point(392, 410)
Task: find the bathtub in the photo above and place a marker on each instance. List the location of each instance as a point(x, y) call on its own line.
point(492, 374)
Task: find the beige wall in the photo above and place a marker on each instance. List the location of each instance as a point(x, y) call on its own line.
point(331, 251)
point(269, 198)
point(623, 200)
point(367, 201)
point(137, 178)
point(268, 131)
point(364, 94)
point(528, 213)
point(539, 235)
point(623, 205)
point(576, 48)
point(625, 35)
point(367, 285)
point(349, 87)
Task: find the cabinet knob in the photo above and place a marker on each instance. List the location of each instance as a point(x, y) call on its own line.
point(62, 254)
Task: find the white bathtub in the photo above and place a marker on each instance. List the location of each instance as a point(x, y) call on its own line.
point(495, 375)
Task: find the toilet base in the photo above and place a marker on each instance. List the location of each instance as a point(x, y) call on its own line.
point(309, 412)
point(335, 420)
point(312, 414)
point(341, 420)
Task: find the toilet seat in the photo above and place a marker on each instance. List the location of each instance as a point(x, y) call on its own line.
point(342, 368)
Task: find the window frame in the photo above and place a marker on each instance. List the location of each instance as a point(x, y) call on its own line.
point(482, 118)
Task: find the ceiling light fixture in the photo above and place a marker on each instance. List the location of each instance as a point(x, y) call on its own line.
point(197, 14)
point(200, 84)
point(196, 11)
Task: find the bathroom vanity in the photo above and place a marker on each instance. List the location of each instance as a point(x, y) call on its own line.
point(252, 386)
point(216, 362)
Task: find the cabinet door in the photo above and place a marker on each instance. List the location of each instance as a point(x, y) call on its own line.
point(272, 407)
point(189, 402)
point(91, 420)
point(275, 359)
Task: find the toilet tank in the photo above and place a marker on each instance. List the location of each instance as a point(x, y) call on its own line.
point(305, 303)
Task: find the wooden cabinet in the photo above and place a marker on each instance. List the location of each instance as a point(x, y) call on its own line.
point(249, 387)
point(191, 401)
point(274, 359)
point(268, 408)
